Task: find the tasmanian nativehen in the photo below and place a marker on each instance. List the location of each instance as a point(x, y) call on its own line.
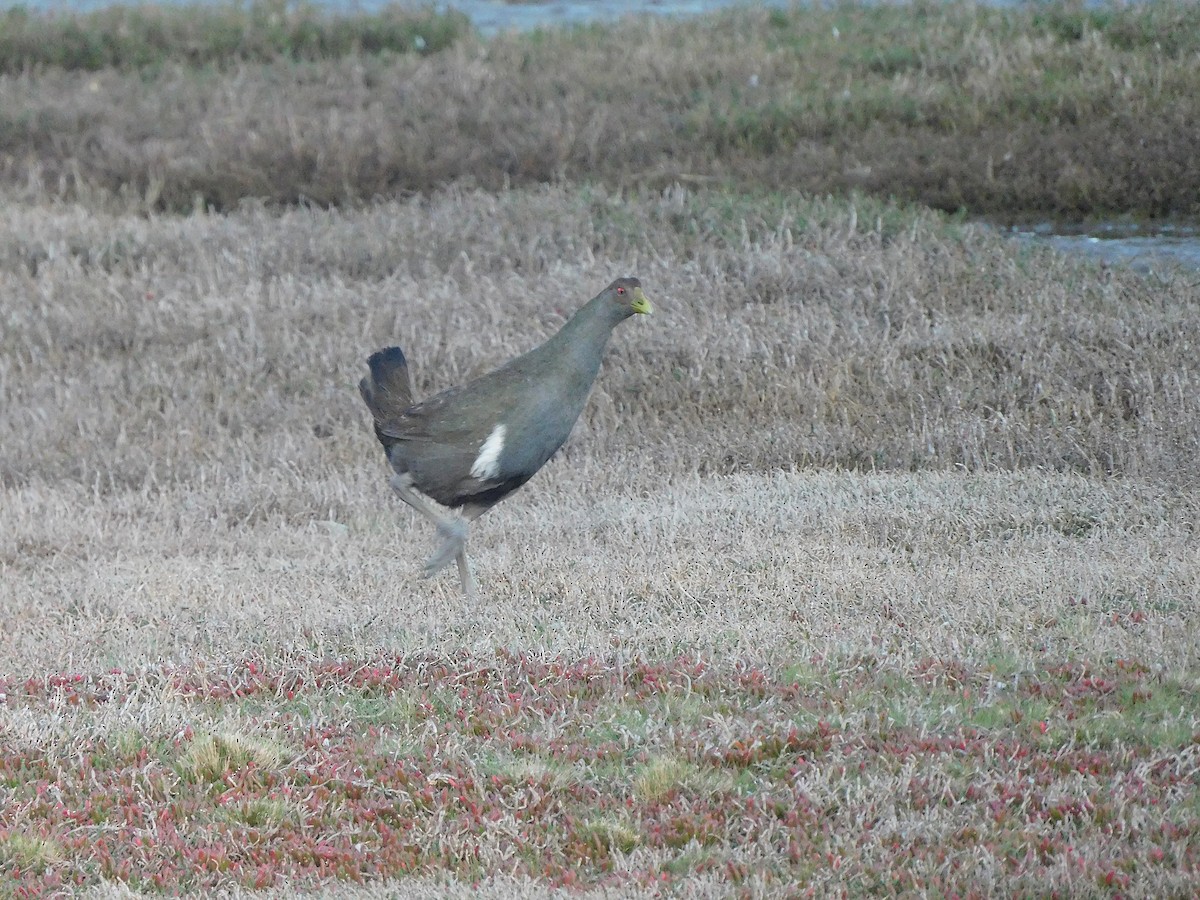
point(471, 446)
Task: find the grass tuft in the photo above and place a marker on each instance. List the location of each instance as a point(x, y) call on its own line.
point(21, 852)
point(212, 758)
point(661, 776)
point(259, 813)
point(601, 836)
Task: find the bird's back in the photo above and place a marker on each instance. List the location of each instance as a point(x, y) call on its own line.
point(476, 443)
point(481, 441)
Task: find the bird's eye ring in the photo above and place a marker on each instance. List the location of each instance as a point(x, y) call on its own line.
point(620, 290)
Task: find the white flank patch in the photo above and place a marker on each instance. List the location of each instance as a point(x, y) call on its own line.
point(487, 463)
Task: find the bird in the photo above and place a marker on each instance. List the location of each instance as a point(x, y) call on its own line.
point(457, 454)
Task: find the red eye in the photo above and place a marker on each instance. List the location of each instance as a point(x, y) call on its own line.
point(620, 290)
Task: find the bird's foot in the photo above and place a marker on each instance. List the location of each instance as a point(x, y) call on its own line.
point(454, 534)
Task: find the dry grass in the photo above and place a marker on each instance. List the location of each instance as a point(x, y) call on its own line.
point(874, 456)
point(1041, 110)
point(180, 399)
point(793, 333)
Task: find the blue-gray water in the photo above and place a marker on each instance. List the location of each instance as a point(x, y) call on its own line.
point(489, 16)
point(1142, 249)
point(492, 16)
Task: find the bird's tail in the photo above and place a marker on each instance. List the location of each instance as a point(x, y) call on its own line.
point(387, 390)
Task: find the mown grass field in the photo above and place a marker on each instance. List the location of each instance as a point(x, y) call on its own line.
point(870, 569)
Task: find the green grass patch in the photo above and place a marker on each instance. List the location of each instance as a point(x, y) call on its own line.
point(212, 758)
point(220, 34)
point(659, 777)
point(601, 835)
point(20, 852)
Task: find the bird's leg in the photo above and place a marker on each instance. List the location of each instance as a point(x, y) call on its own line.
point(403, 486)
point(452, 527)
point(469, 514)
point(468, 581)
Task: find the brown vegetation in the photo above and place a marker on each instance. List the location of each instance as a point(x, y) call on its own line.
point(1010, 113)
point(794, 333)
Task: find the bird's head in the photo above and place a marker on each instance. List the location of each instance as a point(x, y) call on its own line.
point(627, 293)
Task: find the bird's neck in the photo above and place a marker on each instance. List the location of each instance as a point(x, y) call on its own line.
point(581, 341)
